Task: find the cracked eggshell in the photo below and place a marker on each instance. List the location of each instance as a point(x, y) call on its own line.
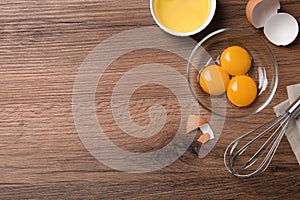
point(281, 29)
point(259, 11)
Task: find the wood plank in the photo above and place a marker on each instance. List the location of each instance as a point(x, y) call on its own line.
point(43, 44)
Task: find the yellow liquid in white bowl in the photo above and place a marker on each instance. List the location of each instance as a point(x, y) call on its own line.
point(182, 15)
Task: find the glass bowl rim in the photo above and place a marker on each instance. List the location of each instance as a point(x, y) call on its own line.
point(261, 107)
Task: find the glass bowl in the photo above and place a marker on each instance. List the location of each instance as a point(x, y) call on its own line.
point(263, 70)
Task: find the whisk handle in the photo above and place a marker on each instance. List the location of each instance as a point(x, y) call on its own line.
point(294, 109)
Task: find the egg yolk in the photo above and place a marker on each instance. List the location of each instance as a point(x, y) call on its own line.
point(214, 80)
point(236, 60)
point(242, 90)
point(182, 15)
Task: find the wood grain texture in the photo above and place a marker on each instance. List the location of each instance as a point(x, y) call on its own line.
point(43, 44)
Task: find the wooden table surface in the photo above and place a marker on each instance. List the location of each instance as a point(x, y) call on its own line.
point(43, 44)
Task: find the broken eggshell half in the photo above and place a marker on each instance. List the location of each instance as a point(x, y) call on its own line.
point(259, 11)
point(279, 28)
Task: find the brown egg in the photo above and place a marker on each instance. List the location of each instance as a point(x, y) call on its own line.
point(259, 11)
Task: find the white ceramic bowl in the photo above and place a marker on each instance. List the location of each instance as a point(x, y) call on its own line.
point(172, 32)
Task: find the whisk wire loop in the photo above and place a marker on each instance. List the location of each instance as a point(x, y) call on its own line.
point(269, 134)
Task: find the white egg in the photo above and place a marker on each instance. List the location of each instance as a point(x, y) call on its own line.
point(281, 29)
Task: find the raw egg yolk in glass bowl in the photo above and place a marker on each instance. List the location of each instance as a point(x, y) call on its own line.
point(236, 60)
point(214, 80)
point(252, 69)
point(230, 77)
point(242, 90)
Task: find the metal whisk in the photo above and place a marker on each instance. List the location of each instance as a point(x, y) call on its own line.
point(252, 153)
